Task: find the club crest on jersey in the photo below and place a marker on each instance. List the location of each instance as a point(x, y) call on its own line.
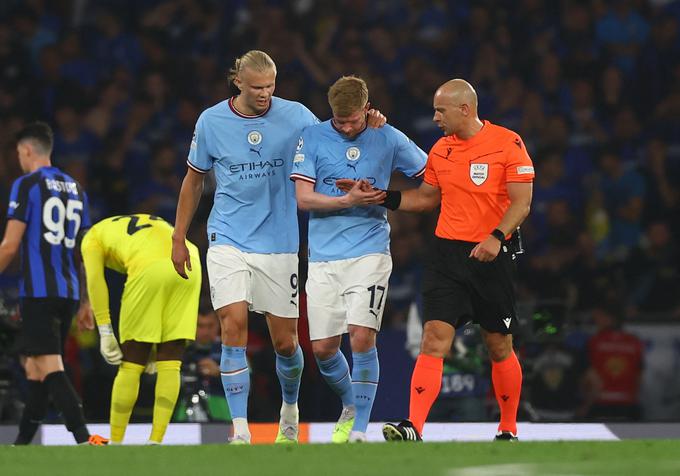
point(254, 137)
point(479, 173)
point(300, 144)
point(353, 153)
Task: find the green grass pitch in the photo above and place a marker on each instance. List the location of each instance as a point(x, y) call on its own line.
point(630, 457)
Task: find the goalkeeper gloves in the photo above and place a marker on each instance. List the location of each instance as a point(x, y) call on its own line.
point(108, 345)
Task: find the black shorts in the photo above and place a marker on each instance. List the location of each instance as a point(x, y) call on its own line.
point(458, 289)
point(45, 323)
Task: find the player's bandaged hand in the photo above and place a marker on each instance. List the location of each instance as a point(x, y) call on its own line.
point(108, 345)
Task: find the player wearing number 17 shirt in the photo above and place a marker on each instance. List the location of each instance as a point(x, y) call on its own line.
point(349, 237)
point(48, 210)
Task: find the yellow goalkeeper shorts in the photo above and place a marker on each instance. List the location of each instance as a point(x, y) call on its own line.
point(160, 306)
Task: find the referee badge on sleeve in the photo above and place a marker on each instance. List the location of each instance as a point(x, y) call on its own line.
point(479, 173)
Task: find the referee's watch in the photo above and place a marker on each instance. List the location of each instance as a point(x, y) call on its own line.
point(498, 234)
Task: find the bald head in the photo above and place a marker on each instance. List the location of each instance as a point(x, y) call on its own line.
point(458, 91)
point(455, 109)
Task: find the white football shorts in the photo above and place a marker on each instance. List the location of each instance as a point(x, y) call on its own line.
point(268, 282)
point(343, 292)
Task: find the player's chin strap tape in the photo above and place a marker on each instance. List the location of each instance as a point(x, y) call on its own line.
point(392, 199)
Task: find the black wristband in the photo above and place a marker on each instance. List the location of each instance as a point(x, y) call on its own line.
point(498, 234)
point(392, 200)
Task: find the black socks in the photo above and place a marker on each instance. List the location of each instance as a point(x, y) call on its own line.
point(67, 402)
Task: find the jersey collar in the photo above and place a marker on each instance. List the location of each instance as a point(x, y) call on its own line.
point(475, 138)
point(247, 116)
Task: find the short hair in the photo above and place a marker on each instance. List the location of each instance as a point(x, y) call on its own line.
point(348, 95)
point(254, 59)
point(40, 134)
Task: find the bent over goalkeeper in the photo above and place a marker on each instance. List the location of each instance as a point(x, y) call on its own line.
point(157, 307)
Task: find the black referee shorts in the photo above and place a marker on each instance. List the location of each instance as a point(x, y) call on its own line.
point(458, 289)
point(45, 323)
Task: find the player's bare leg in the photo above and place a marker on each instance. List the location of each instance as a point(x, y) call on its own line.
point(289, 365)
point(234, 366)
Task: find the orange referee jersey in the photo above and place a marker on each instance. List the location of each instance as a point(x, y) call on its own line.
point(472, 175)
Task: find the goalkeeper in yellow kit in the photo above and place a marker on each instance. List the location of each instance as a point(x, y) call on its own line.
point(158, 307)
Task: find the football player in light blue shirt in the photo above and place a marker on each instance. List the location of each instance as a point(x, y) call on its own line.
point(349, 260)
point(252, 229)
point(252, 262)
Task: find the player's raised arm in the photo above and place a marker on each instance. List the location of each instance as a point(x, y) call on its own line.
point(189, 197)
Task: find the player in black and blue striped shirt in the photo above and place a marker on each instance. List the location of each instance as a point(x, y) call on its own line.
point(47, 211)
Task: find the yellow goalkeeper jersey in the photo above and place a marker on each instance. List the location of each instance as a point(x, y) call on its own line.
point(128, 244)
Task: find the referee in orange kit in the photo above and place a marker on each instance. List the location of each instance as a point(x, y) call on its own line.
point(482, 176)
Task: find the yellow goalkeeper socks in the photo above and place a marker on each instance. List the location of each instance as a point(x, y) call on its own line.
point(167, 390)
point(123, 398)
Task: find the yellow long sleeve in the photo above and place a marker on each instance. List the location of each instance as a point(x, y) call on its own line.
point(93, 259)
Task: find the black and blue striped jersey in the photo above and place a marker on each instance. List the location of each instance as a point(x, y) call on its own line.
point(55, 209)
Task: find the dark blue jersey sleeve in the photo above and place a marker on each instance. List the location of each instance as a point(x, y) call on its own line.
point(19, 203)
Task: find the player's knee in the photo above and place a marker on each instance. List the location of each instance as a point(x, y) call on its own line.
point(499, 346)
point(285, 346)
point(323, 349)
point(172, 350)
point(362, 339)
point(499, 353)
point(32, 369)
point(437, 339)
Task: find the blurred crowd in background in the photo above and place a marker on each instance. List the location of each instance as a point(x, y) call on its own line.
point(592, 86)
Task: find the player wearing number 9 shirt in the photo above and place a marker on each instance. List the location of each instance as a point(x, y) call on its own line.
point(158, 307)
point(47, 212)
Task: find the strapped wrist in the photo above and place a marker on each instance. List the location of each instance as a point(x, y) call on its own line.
point(498, 234)
point(392, 199)
point(105, 330)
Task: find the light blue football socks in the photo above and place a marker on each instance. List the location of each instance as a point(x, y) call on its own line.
point(235, 380)
point(289, 371)
point(336, 373)
point(365, 377)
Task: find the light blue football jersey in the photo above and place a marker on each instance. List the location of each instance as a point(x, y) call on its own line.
point(254, 208)
point(324, 155)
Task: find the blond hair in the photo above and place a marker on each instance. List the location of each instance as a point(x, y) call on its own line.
point(254, 59)
point(348, 95)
